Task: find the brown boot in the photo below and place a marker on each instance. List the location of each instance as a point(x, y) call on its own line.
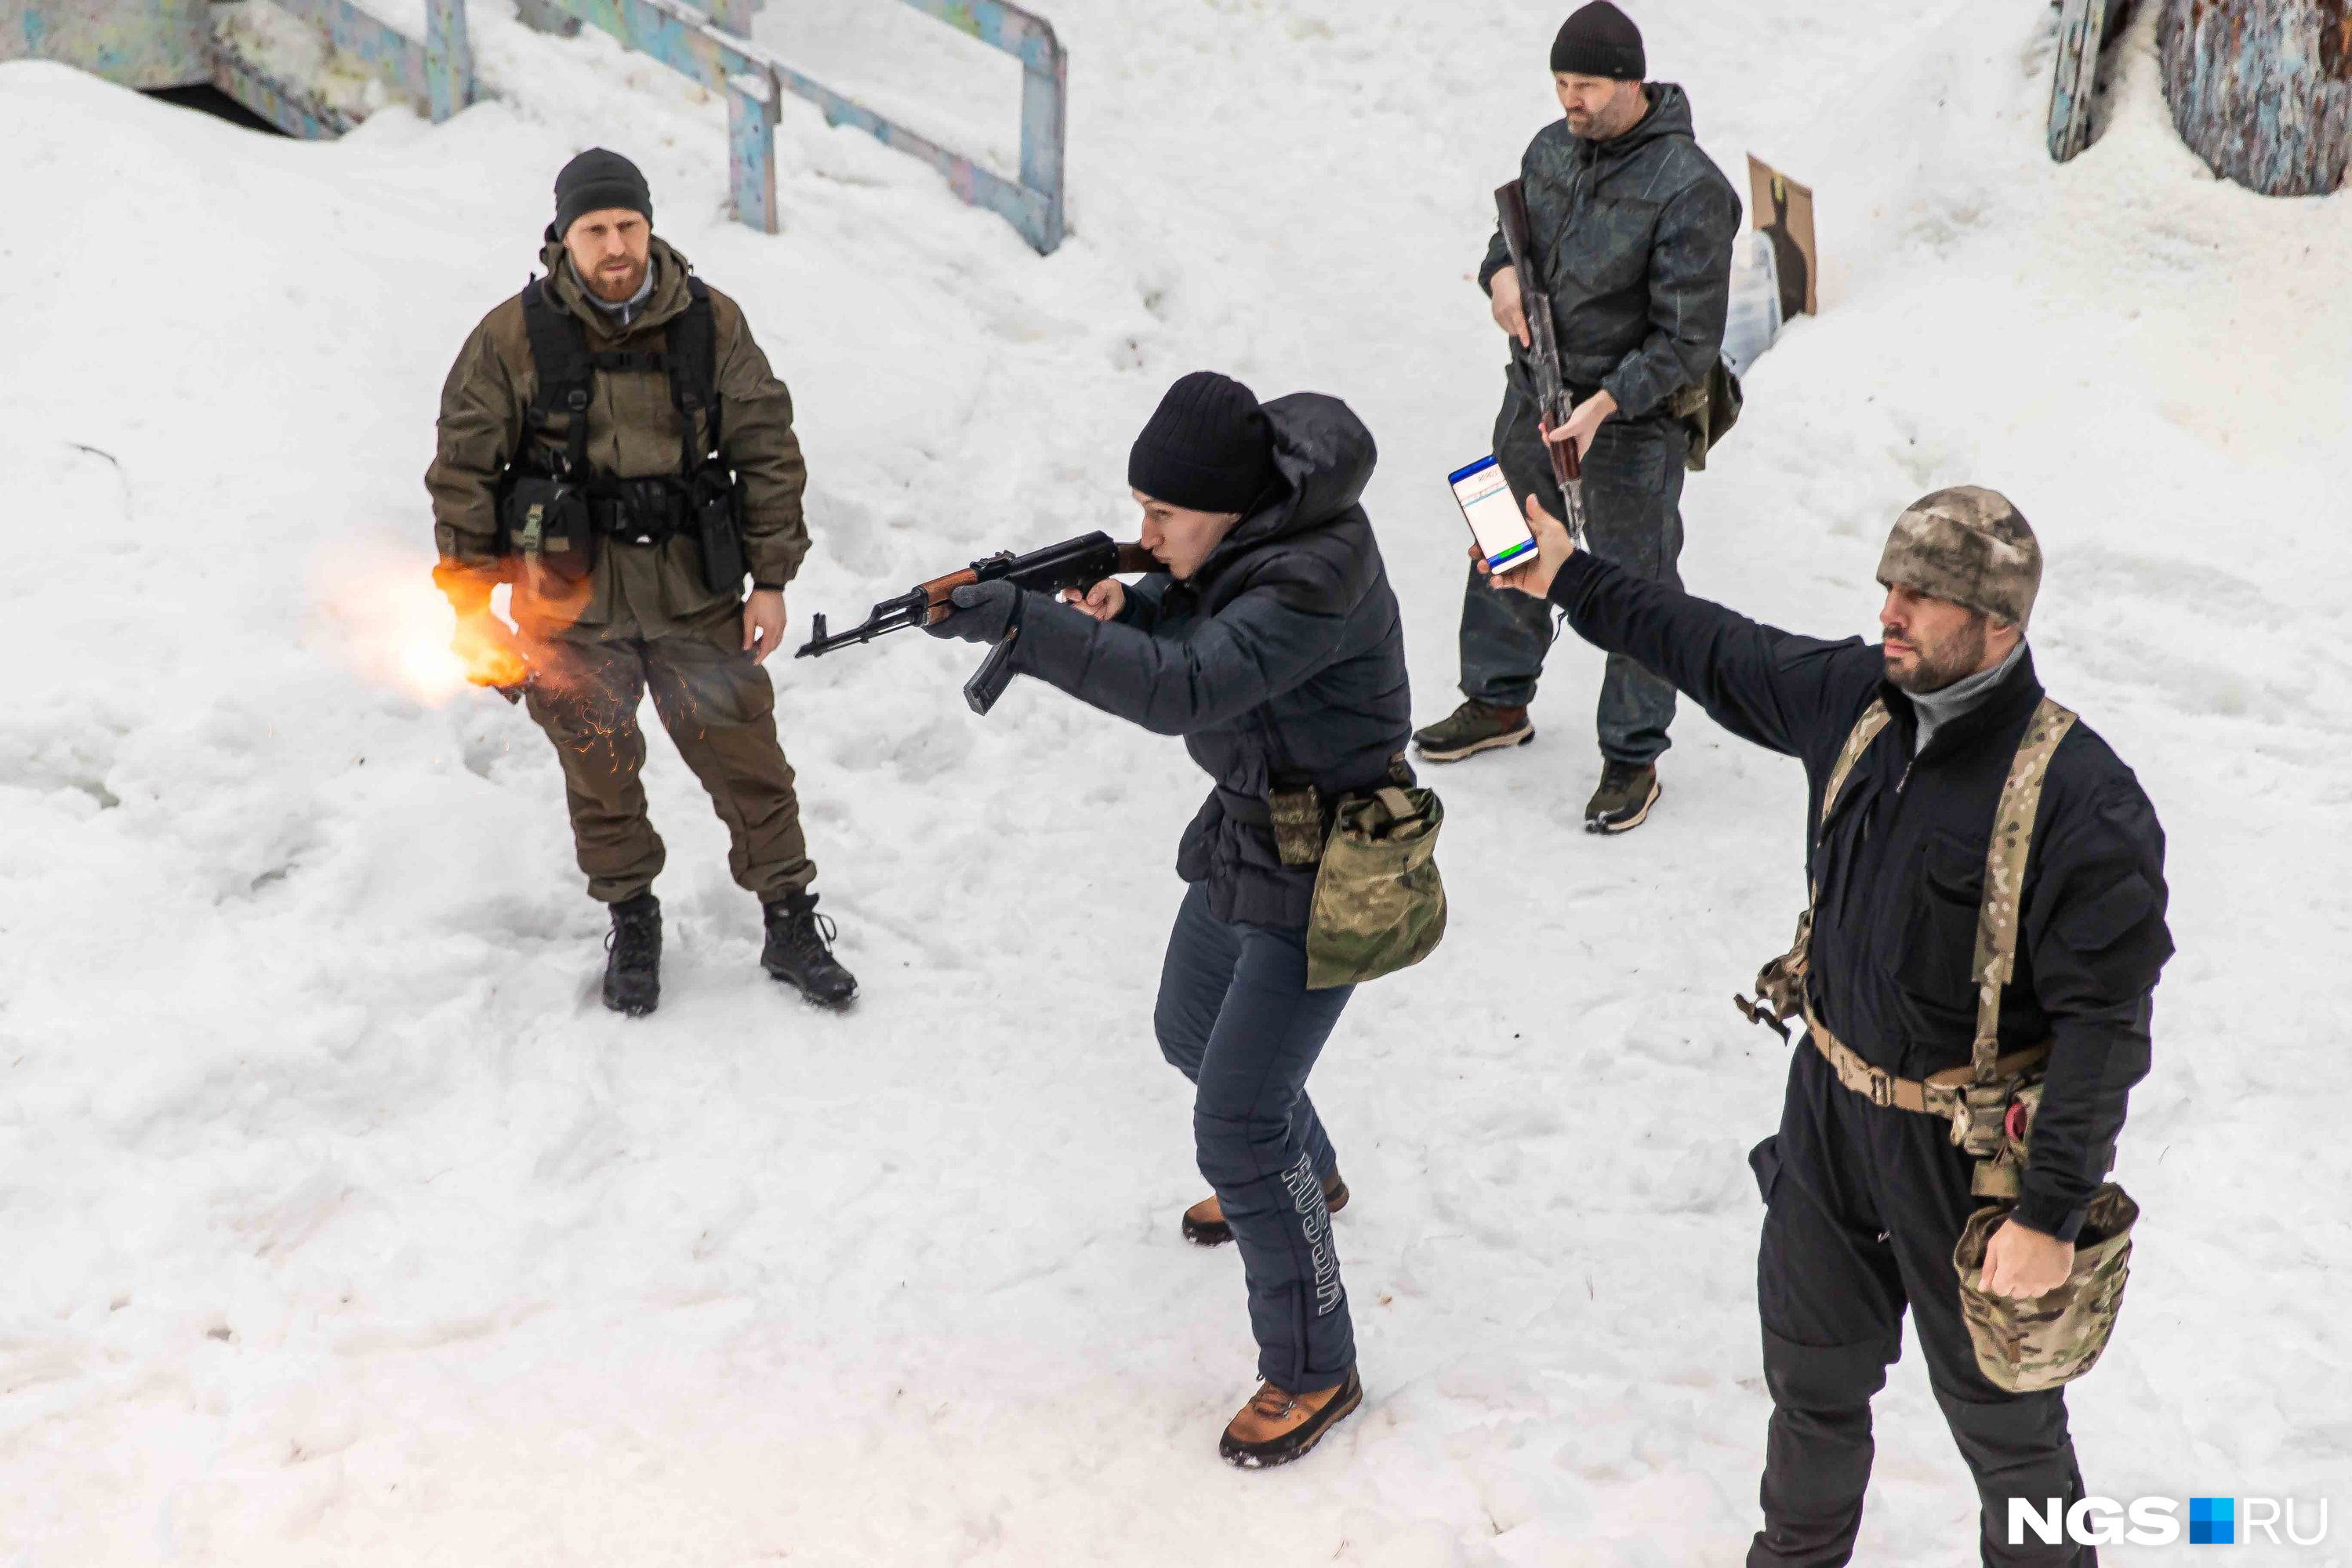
point(1276, 1427)
point(1204, 1222)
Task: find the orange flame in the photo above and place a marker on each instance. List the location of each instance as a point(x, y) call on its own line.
point(391, 623)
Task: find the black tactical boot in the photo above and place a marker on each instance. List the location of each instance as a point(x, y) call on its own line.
point(1627, 792)
point(800, 951)
point(1472, 728)
point(633, 957)
point(1204, 1222)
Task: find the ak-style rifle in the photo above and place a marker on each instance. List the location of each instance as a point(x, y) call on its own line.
point(1079, 563)
point(1552, 401)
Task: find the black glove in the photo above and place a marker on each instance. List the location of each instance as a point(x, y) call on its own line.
point(984, 612)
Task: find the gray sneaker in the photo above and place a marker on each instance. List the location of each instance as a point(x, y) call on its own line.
point(1472, 728)
point(1623, 802)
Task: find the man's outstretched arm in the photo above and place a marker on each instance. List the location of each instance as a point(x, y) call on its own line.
point(1764, 685)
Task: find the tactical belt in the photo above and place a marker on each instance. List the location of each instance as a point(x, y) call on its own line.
point(1936, 1095)
point(638, 512)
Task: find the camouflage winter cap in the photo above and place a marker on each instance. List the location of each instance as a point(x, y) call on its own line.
point(1968, 545)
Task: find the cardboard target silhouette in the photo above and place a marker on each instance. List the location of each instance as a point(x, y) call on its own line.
point(1783, 210)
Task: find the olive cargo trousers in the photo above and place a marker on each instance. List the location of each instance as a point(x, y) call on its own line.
point(720, 710)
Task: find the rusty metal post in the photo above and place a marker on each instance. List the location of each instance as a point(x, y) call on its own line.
point(448, 58)
point(751, 148)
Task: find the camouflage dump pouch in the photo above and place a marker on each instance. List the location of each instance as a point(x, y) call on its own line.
point(1708, 410)
point(1380, 904)
point(2024, 1347)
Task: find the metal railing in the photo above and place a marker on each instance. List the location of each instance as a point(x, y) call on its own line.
point(437, 75)
point(713, 48)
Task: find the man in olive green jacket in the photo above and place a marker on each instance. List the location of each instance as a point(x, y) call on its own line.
point(623, 599)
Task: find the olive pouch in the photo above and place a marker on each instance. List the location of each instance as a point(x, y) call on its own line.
point(1296, 817)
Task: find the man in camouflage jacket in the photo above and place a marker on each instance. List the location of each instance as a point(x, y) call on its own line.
point(644, 616)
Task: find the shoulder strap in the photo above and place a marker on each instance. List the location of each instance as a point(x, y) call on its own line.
point(1873, 719)
point(1865, 729)
point(2013, 841)
point(693, 352)
point(559, 357)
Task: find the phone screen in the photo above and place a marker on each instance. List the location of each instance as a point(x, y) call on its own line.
point(1493, 517)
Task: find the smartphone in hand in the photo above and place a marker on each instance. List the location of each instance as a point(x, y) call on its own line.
point(1488, 507)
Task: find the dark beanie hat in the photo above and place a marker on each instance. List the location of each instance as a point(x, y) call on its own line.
point(1599, 40)
point(596, 181)
point(1207, 447)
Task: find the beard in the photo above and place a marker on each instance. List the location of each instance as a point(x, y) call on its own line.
point(613, 287)
point(1933, 669)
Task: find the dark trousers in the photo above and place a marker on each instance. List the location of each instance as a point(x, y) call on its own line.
point(1633, 504)
point(719, 709)
point(1235, 1016)
point(1863, 1206)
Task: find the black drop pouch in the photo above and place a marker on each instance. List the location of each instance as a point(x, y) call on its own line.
point(719, 529)
point(547, 522)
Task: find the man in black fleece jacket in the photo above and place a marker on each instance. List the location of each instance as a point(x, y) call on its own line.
point(1272, 644)
point(1865, 1201)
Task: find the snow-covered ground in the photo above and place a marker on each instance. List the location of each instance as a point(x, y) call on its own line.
point(342, 1224)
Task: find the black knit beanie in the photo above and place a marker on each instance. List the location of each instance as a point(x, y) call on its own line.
point(593, 182)
point(1599, 40)
point(1207, 447)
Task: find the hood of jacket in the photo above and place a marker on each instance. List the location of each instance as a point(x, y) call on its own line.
point(1669, 115)
point(1325, 456)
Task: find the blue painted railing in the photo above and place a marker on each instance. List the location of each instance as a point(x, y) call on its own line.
point(436, 75)
point(178, 43)
point(688, 41)
point(711, 48)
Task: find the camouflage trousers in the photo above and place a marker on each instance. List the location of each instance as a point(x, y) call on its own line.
point(1234, 1016)
point(1863, 1206)
point(720, 710)
point(1633, 503)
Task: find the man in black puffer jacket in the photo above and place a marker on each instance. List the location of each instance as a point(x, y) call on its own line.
point(1272, 644)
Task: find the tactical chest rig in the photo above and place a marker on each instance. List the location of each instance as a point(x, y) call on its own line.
point(1991, 1101)
point(2021, 1346)
point(553, 507)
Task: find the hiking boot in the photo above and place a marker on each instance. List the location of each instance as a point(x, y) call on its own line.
point(1276, 1427)
point(633, 956)
point(1204, 1222)
point(800, 951)
point(1474, 727)
point(1627, 792)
